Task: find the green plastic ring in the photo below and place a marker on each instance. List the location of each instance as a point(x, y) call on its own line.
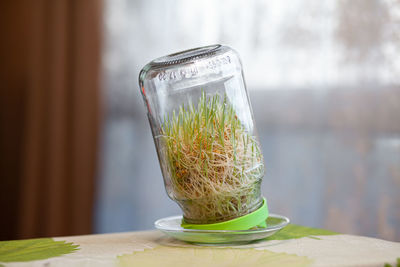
point(256, 218)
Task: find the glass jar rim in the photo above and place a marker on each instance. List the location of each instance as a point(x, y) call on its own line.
point(186, 55)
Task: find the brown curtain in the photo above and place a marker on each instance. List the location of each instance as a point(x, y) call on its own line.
point(49, 116)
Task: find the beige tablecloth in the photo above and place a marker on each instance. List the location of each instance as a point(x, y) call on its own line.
point(153, 248)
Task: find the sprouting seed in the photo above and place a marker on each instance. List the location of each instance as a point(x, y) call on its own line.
point(214, 163)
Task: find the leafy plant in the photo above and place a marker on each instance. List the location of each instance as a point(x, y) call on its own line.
point(215, 165)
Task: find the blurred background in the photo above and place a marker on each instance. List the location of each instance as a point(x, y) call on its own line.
point(77, 155)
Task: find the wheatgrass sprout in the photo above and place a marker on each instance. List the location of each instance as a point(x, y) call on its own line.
point(215, 166)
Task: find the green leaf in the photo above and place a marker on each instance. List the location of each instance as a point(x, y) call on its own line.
point(293, 231)
point(389, 265)
point(199, 256)
point(34, 249)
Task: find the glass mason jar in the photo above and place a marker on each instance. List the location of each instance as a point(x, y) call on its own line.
point(203, 128)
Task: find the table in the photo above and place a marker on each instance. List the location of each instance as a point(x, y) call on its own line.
point(293, 246)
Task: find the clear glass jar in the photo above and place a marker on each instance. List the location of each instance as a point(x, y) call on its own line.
point(203, 128)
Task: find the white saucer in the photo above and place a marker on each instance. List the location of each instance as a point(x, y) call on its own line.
point(172, 227)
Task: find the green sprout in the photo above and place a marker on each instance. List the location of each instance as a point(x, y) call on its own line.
point(214, 164)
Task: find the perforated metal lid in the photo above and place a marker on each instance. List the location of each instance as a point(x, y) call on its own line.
point(186, 56)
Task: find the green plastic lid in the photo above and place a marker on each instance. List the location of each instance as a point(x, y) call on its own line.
point(256, 218)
